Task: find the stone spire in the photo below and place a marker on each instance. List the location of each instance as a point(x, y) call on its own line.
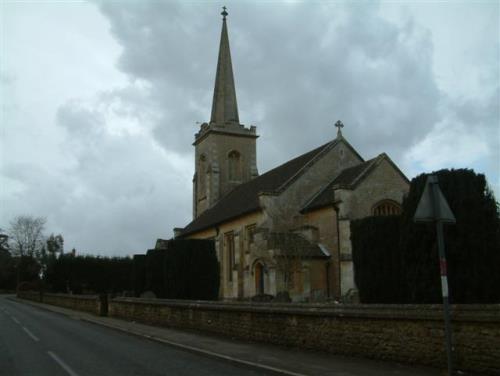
point(224, 106)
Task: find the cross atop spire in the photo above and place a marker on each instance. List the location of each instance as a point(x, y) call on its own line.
point(339, 126)
point(224, 105)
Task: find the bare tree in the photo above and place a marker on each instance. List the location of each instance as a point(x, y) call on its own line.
point(26, 236)
point(4, 241)
point(290, 247)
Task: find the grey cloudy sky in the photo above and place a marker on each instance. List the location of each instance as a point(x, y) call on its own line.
point(100, 99)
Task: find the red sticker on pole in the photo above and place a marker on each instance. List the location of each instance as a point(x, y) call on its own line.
point(443, 267)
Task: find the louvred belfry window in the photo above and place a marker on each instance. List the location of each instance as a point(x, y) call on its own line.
point(202, 187)
point(234, 166)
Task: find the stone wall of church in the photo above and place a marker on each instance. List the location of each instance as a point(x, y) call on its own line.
point(404, 333)
point(325, 220)
point(237, 281)
point(384, 182)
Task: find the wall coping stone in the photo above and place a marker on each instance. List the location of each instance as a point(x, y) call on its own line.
point(462, 312)
point(72, 296)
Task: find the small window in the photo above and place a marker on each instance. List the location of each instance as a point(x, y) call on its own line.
point(250, 233)
point(229, 244)
point(386, 207)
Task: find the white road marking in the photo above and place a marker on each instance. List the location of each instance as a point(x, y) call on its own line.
point(15, 320)
point(63, 365)
point(33, 337)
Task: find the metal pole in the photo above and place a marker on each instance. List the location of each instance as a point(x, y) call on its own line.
point(444, 274)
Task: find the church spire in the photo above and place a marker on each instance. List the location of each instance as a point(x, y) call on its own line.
point(224, 106)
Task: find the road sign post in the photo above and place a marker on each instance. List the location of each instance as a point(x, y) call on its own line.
point(433, 207)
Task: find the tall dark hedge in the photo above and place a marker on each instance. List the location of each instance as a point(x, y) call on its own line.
point(472, 245)
point(191, 270)
point(180, 269)
point(91, 274)
point(8, 270)
point(24, 268)
point(376, 258)
point(155, 277)
point(29, 269)
point(139, 274)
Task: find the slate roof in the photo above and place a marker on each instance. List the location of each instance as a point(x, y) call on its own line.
point(292, 244)
point(244, 198)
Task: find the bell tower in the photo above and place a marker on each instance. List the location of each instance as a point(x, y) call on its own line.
point(225, 150)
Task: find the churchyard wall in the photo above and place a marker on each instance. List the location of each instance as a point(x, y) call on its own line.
point(86, 303)
point(405, 333)
point(34, 296)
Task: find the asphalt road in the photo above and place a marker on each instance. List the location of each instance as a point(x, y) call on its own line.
point(39, 342)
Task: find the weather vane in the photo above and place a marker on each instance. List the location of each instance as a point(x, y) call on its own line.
point(339, 126)
point(224, 13)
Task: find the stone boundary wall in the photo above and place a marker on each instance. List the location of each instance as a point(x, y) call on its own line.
point(405, 333)
point(30, 295)
point(86, 303)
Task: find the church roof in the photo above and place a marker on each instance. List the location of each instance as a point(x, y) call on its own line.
point(296, 245)
point(244, 198)
point(347, 179)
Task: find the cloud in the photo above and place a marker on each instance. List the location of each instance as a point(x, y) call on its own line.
point(292, 75)
point(467, 135)
point(134, 188)
point(101, 118)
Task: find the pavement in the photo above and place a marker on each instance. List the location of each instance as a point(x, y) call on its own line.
point(259, 357)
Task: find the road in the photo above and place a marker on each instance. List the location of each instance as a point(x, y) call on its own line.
point(38, 342)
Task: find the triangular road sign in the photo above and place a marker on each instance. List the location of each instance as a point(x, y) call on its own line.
point(430, 211)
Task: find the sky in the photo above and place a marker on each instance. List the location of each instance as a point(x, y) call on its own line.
point(100, 101)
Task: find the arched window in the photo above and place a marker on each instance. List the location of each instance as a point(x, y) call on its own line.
point(234, 166)
point(386, 207)
point(202, 177)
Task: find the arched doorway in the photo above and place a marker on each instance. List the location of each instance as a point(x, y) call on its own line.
point(259, 279)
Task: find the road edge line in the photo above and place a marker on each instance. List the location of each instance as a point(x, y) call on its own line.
point(198, 350)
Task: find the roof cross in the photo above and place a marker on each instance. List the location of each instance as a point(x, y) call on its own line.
point(339, 126)
point(224, 12)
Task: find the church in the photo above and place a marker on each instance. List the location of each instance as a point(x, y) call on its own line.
point(285, 232)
